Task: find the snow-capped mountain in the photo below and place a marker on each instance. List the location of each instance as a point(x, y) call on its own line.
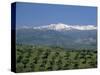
point(61, 26)
point(68, 36)
point(64, 27)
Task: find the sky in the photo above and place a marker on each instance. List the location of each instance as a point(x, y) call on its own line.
point(35, 14)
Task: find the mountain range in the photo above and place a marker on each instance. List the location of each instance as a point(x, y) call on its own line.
point(62, 27)
point(68, 36)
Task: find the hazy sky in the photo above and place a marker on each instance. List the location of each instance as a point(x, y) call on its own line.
point(34, 14)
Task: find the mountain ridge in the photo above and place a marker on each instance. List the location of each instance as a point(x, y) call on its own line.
point(62, 27)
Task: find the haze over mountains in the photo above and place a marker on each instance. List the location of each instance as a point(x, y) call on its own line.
point(69, 36)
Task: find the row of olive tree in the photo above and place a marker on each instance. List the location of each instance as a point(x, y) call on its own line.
point(45, 58)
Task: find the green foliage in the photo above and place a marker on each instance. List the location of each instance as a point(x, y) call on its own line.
point(46, 58)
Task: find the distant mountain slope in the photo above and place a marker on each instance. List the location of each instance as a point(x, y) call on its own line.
point(60, 35)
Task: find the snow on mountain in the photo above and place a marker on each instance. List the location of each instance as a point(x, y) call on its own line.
point(88, 27)
point(54, 27)
point(61, 26)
